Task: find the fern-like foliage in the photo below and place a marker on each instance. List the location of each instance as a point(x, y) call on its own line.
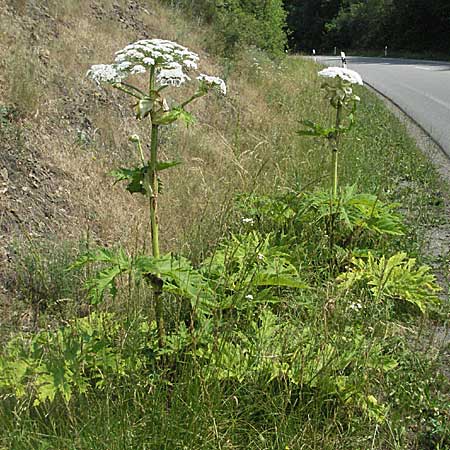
point(251, 260)
point(175, 274)
point(73, 358)
point(395, 278)
point(115, 263)
point(353, 211)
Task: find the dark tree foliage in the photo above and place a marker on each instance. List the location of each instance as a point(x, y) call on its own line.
point(413, 25)
point(237, 23)
point(306, 21)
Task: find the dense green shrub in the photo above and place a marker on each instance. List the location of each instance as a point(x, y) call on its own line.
point(259, 23)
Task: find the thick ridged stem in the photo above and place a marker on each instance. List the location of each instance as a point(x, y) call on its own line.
point(335, 150)
point(334, 177)
point(153, 206)
point(153, 194)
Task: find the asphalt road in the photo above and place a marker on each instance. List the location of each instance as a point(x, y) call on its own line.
point(420, 88)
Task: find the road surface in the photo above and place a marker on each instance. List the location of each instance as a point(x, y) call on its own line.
point(420, 88)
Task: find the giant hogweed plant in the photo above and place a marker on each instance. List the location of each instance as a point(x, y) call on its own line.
point(338, 88)
point(337, 85)
point(167, 65)
point(395, 277)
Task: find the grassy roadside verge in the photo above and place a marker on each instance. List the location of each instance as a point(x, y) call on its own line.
point(267, 368)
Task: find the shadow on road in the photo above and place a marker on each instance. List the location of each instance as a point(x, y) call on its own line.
point(438, 66)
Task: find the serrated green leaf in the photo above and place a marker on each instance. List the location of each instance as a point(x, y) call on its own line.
point(269, 279)
point(103, 281)
point(163, 165)
point(316, 130)
point(122, 174)
point(179, 278)
point(135, 176)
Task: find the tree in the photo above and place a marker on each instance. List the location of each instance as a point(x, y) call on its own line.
point(361, 24)
point(306, 22)
point(412, 25)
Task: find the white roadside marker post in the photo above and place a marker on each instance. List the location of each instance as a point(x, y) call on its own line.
point(335, 51)
point(314, 54)
point(385, 51)
point(343, 60)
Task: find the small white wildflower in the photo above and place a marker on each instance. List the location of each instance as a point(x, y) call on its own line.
point(173, 76)
point(355, 306)
point(213, 81)
point(168, 58)
point(260, 256)
point(105, 72)
point(135, 54)
point(138, 69)
point(158, 52)
point(249, 297)
point(189, 64)
point(120, 56)
point(124, 65)
point(248, 220)
point(148, 61)
point(347, 75)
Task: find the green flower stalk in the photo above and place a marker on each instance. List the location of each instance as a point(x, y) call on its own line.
point(338, 86)
point(168, 65)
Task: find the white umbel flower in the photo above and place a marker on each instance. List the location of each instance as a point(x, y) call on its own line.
point(172, 76)
point(170, 61)
point(350, 76)
point(138, 68)
point(169, 58)
point(213, 82)
point(157, 52)
point(106, 73)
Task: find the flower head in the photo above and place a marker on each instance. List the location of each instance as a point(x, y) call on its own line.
point(157, 52)
point(347, 75)
point(170, 60)
point(138, 68)
point(106, 73)
point(172, 75)
point(213, 82)
point(355, 306)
